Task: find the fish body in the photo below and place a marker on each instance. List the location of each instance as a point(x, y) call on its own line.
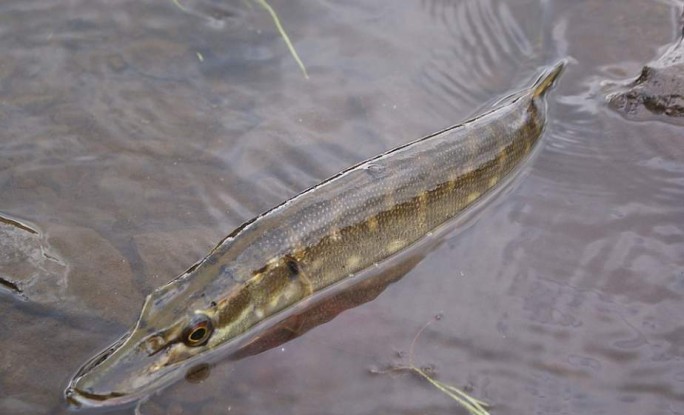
point(320, 237)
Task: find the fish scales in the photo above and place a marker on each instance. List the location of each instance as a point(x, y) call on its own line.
point(435, 178)
point(374, 214)
point(349, 222)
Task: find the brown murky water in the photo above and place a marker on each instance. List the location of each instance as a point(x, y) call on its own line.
point(136, 134)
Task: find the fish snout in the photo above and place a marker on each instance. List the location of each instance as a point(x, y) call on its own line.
point(88, 398)
point(104, 380)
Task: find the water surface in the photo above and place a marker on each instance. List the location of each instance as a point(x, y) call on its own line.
point(137, 134)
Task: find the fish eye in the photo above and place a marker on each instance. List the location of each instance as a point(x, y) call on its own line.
point(198, 331)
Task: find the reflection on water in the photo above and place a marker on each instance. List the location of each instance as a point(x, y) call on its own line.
point(133, 158)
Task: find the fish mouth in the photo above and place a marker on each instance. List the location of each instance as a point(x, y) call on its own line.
point(81, 399)
point(87, 397)
point(118, 376)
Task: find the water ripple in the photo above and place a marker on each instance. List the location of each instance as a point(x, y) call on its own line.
point(489, 47)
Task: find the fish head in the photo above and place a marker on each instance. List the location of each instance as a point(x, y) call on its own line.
point(175, 326)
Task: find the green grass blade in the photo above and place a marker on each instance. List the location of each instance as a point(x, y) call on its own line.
point(471, 404)
point(179, 5)
point(283, 34)
point(276, 20)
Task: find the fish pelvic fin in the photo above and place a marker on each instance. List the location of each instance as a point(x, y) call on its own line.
point(548, 79)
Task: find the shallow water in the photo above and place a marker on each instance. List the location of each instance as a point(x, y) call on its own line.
point(137, 134)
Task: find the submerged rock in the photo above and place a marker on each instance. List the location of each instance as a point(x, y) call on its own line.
point(28, 267)
point(659, 89)
point(100, 277)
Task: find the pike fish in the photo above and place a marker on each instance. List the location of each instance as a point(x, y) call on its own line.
point(320, 238)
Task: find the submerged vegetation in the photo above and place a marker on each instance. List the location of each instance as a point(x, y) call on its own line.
point(279, 26)
point(472, 405)
point(283, 34)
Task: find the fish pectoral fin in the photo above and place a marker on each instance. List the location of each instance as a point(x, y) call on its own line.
point(307, 285)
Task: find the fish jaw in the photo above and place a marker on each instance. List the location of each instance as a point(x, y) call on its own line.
point(141, 362)
point(122, 374)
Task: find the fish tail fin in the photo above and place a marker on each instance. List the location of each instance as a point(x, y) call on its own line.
point(548, 79)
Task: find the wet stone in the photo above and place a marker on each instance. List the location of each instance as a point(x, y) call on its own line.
point(29, 269)
point(659, 89)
